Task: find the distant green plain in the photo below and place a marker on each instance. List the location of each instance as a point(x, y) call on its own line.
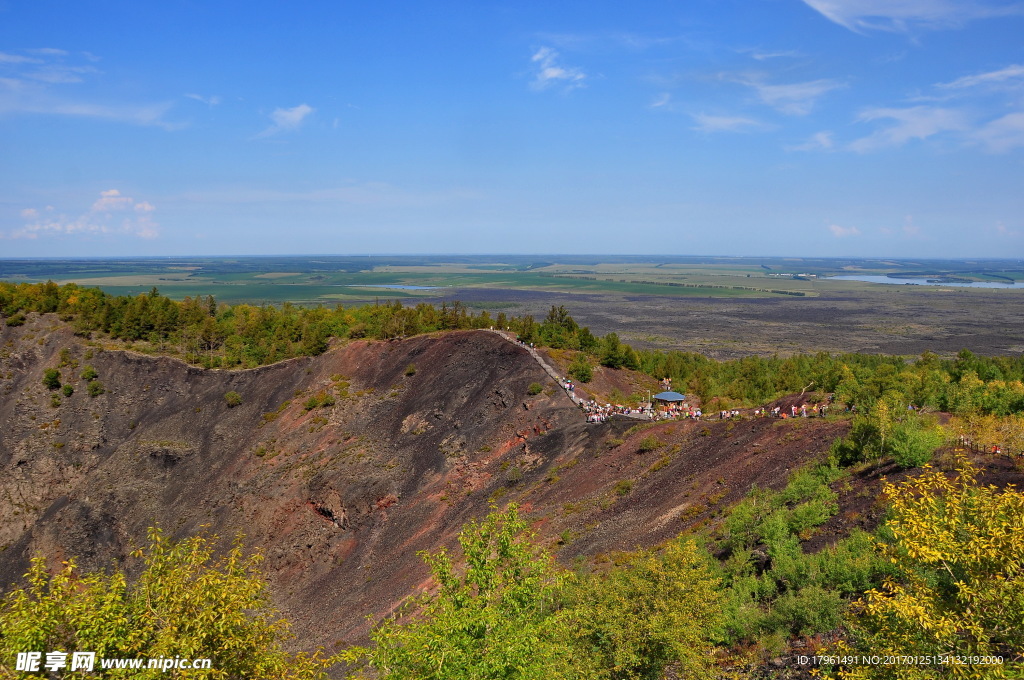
point(334, 280)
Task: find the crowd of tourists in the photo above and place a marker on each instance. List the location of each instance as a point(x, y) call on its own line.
point(597, 412)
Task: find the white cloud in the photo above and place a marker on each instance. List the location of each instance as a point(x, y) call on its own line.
point(843, 232)
point(663, 99)
point(1011, 72)
point(550, 73)
point(795, 99)
point(60, 73)
point(50, 52)
point(819, 141)
point(289, 119)
point(33, 86)
point(111, 214)
point(764, 55)
point(361, 194)
point(212, 100)
point(1003, 134)
point(1004, 232)
point(111, 200)
point(910, 229)
point(917, 122)
point(710, 123)
point(6, 58)
point(286, 120)
point(905, 15)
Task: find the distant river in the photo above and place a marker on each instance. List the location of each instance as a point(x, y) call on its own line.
point(923, 282)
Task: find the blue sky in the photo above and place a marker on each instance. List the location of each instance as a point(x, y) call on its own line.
point(719, 127)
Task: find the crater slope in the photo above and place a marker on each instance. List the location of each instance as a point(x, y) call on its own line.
point(340, 468)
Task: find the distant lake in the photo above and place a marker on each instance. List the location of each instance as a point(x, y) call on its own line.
point(921, 282)
point(395, 286)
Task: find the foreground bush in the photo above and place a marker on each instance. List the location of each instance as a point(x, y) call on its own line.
point(185, 604)
point(495, 618)
point(959, 589)
point(510, 612)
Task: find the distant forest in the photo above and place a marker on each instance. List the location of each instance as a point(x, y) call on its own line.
point(217, 335)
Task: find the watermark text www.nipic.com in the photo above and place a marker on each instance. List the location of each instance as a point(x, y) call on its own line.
point(36, 662)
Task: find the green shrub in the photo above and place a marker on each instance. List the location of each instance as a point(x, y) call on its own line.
point(624, 486)
point(579, 369)
point(16, 319)
point(652, 611)
point(489, 619)
point(95, 388)
point(912, 444)
point(51, 379)
point(808, 611)
point(651, 443)
point(89, 373)
point(534, 389)
point(232, 398)
point(68, 390)
point(410, 370)
point(318, 400)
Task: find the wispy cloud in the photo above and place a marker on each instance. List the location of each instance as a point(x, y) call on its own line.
point(6, 58)
point(355, 194)
point(1013, 73)
point(31, 83)
point(212, 100)
point(111, 214)
point(905, 15)
point(1003, 134)
point(286, 120)
point(710, 123)
point(910, 228)
point(605, 41)
point(819, 141)
point(917, 122)
point(795, 99)
point(843, 232)
point(662, 100)
point(765, 55)
point(54, 52)
point(1003, 231)
point(550, 72)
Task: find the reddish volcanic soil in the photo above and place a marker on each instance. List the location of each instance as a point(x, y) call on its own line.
point(423, 435)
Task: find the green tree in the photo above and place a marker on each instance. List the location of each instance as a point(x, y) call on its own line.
point(913, 442)
point(580, 369)
point(51, 379)
point(185, 603)
point(496, 617)
point(652, 611)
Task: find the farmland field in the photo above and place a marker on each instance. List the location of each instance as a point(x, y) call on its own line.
point(723, 307)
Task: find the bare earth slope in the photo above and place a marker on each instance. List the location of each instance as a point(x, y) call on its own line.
point(422, 436)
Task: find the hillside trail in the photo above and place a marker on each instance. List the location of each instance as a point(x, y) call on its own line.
point(553, 373)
